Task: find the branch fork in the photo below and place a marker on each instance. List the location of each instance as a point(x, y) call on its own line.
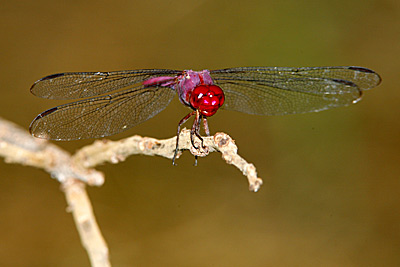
point(75, 171)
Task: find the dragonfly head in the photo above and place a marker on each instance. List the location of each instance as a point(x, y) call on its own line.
point(207, 99)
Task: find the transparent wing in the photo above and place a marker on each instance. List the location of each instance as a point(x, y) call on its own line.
point(73, 85)
point(101, 116)
point(279, 91)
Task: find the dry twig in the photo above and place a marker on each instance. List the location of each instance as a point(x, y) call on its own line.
point(73, 172)
point(17, 146)
point(115, 151)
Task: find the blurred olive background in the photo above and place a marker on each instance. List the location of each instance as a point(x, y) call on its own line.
point(331, 179)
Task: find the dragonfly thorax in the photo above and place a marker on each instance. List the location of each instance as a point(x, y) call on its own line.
point(207, 99)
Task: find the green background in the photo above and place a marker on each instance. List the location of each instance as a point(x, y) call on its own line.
point(331, 179)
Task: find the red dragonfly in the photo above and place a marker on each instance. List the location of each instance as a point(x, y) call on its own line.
point(119, 100)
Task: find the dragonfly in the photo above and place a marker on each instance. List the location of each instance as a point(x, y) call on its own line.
point(115, 101)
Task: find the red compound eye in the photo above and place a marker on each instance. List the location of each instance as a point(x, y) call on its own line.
point(207, 99)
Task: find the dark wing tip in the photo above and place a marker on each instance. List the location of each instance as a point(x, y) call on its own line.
point(362, 69)
point(52, 76)
point(365, 70)
point(49, 77)
point(33, 125)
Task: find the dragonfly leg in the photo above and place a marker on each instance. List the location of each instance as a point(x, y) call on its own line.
point(206, 129)
point(196, 130)
point(178, 132)
point(205, 124)
point(193, 132)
